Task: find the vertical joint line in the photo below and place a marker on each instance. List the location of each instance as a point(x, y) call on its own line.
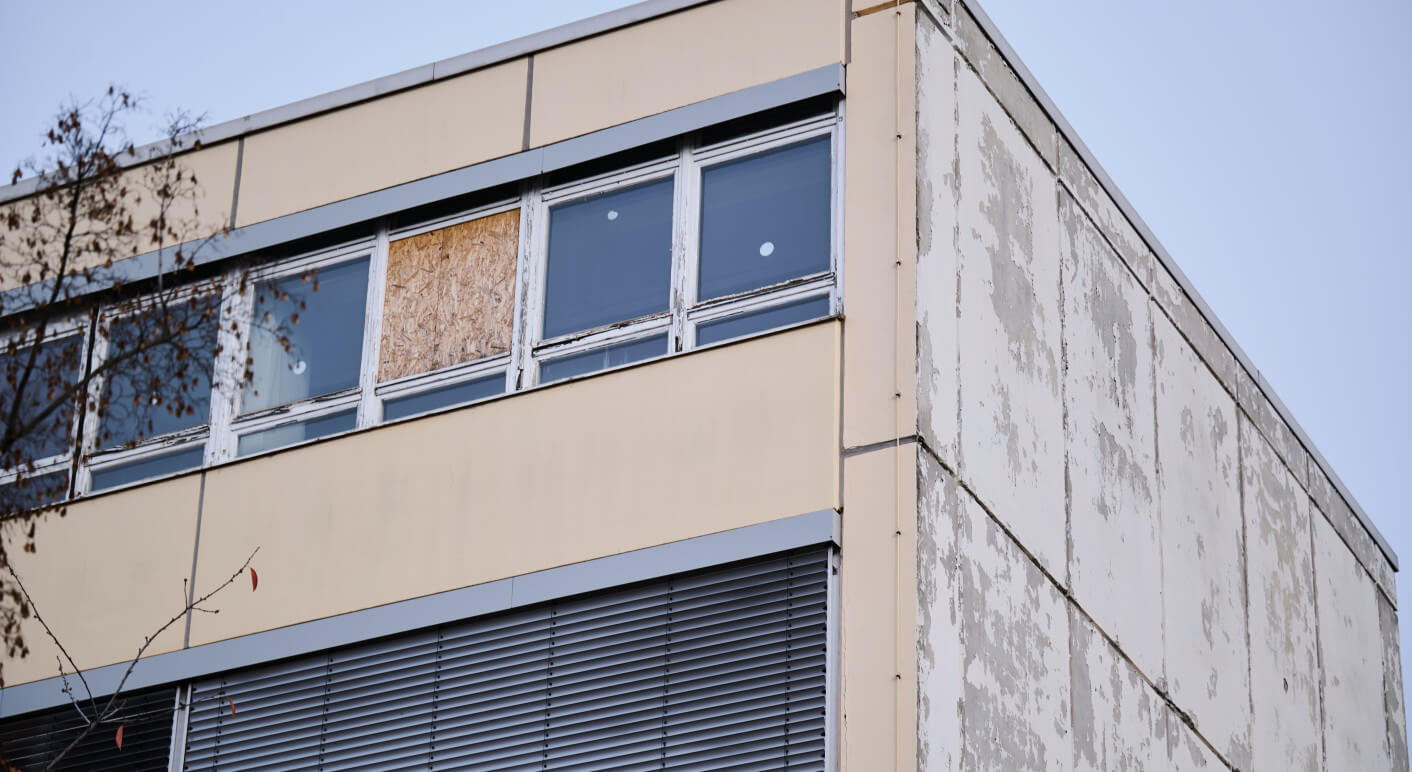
point(235, 192)
point(529, 101)
point(195, 550)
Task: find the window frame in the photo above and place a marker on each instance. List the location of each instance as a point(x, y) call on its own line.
point(684, 312)
point(520, 365)
point(80, 325)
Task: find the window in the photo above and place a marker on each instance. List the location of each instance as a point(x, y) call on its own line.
point(37, 383)
point(721, 234)
point(684, 251)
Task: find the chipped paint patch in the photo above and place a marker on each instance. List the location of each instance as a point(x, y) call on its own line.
point(1284, 668)
point(939, 654)
point(1203, 575)
point(1120, 723)
point(1355, 721)
point(1116, 556)
point(1011, 412)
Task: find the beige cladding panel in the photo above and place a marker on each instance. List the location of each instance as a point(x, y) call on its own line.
point(384, 142)
point(108, 574)
point(697, 444)
point(195, 216)
point(677, 60)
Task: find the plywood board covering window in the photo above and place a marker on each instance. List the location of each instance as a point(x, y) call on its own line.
point(450, 295)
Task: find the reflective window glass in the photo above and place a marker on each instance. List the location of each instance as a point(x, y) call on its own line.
point(602, 359)
point(289, 434)
point(306, 335)
point(610, 258)
point(456, 393)
point(33, 492)
point(765, 219)
point(146, 468)
point(161, 361)
point(41, 381)
point(759, 321)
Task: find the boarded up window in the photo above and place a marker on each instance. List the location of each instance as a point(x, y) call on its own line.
point(450, 296)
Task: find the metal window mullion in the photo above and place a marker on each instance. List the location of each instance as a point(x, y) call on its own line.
point(537, 261)
point(369, 406)
point(762, 299)
point(181, 718)
point(836, 211)
point(92, 399)
point(237, 305)
point(684, 213)
point(520, 337)
point(297, 412)
point(622, 334)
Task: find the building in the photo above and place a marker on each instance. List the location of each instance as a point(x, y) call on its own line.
point(715, 385)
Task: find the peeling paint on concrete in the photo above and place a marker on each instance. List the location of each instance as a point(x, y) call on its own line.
point(937, 366)
point(1116, 555)
point(1076, 176)
point(1187, 318)
point(1284, 666)
point(1355, 721)
point(1268, 422)
point(1392, 687)
point(1012, 94)
point(1345, 523)
point(1016, 654)
point(1186, 751)
point(1011, 411)
point(1203, 582)
point(939, 654)
point(1120, 723)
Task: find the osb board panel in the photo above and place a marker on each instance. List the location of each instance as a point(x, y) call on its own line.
point(450, 295)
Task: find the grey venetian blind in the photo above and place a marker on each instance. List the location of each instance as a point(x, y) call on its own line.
point(717, 669)
point(32, 741)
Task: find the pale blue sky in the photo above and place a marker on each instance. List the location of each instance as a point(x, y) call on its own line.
point(1264, 141)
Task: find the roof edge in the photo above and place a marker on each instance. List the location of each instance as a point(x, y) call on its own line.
point(387, 84)
point(1129, 211)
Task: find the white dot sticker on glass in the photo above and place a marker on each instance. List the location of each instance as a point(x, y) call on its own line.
point(612, 214)
point(767, 249)
point(299, 367)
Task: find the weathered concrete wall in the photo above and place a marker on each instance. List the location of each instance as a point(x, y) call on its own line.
point(1126, 558)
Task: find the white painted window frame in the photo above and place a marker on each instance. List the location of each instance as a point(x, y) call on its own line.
point(684, 312)
point(57, 329)
point(520, 365)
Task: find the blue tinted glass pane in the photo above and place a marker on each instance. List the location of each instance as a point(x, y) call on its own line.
point(146, 468)
point(306, 335)
point(757, 321)
point(314, 428)
point(49, 375)
point(765, 219)
point(33, 492)
point(167, 386)
point(454, 394)
point(602, 359)
point(610, 258)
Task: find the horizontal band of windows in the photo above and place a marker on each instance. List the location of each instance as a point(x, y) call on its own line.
point(460, 393)
point(295, 433)
point(604, 358)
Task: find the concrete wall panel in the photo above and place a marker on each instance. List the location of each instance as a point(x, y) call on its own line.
point(1392, 687)
point(1284, 665)
point(1012, 440)
point(938, 374)
point(677, 60)
point(940, 657)
point(384, 142)
point(109, 573)
point(1120, 722)
point(697, 444)
point(1355, 712)
point(880, 263)
point(1115, 562)
point(1188, 752)
point(1203, 573)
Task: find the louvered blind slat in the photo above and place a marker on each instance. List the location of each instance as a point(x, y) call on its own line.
point(716, 669)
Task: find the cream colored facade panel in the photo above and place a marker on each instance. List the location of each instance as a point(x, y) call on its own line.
point(878, 667)
point(880, 265)
point(693, 445)
point(394, 139)
point(677, 60)
point(108, 574)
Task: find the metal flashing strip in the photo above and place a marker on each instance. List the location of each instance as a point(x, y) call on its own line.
point(512, 168)
point(398, 81)
point(1067, 131)
point(751, 541)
